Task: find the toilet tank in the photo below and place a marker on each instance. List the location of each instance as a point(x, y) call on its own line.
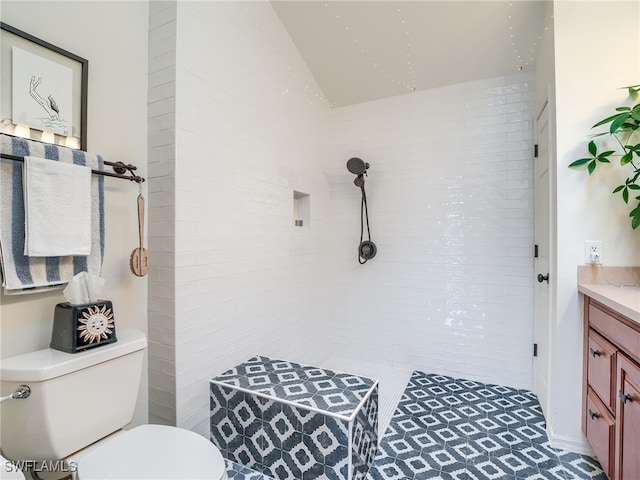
point(76, 398)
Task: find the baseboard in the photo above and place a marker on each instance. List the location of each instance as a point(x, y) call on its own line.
point(571, 444)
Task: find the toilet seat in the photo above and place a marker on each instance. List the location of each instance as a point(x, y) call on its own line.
point(154, 452)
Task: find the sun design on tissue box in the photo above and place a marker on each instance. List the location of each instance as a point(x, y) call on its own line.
point(96, 323)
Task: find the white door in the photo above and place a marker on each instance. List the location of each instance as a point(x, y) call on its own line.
point(541, 323)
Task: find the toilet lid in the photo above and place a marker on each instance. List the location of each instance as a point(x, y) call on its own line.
point(153, 451)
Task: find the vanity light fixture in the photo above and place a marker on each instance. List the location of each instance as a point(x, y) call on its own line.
point(21, 130)
point(72, 142)
point(47, 137)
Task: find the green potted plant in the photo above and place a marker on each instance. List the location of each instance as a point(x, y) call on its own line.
point(624, 130)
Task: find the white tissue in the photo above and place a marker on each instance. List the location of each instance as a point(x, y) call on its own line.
point(83, 288)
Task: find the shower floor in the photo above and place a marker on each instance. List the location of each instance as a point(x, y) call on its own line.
point(438, 427)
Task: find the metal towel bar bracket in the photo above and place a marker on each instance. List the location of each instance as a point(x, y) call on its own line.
point(121, 169)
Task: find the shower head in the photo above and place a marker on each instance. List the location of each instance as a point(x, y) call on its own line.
point(367, 249)
point(357, 166)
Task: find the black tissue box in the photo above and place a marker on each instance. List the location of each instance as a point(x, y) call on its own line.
point(79, 327)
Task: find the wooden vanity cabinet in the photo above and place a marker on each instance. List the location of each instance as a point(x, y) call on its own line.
point(600, 429)
point(628, 420)
point(601, 368)
point(611, 406)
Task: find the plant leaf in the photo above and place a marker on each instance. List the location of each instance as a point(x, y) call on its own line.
point(635, 217)
point(629, 125)
point(626, 158)
point(633, 89)
point(606, 120)
point(633, 186)
point(591, 167)
point(592, 148)
point(618, 188)
point(618, 122)
point(625, 195)
point(623, 109)
point(603, 156)
point(582, 161)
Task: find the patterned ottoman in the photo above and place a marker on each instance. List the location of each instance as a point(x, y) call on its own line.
point(292, 421)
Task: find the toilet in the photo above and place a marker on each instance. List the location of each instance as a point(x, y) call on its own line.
point(78, 406)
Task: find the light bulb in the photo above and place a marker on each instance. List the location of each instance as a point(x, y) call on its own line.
point(72, 142)
point(47, 137)
point(22, 130)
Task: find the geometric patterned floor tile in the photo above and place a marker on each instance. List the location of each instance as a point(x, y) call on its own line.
point(291, 421)
point(238, 472)
point(332, 392)
point(457, 429)
point(581, 466)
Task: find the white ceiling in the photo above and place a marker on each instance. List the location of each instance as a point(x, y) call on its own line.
point(366, 50)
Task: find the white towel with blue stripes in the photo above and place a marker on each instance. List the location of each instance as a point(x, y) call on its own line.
point(27, 274)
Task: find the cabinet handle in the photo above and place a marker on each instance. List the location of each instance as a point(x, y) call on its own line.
point(595, 353)
point(625, 397)
point(593, 415)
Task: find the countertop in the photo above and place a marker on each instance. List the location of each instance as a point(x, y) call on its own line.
point(615, 287)
point(624, 300)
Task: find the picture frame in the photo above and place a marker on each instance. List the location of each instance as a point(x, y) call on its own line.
point(43, 90)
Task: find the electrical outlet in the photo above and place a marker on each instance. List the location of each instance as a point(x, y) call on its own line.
point(593, 252)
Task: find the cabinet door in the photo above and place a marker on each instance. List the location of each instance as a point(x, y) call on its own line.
point(601, 368)
point(628, 420)
point(600, 431)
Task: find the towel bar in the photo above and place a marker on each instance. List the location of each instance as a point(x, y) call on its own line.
point(120, 169)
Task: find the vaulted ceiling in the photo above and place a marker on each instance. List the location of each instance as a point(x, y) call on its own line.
point(365, 50)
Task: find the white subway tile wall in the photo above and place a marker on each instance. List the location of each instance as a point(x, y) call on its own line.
point(234, 131)
point(161, 212)
point(450, 195)
point(250, 130)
